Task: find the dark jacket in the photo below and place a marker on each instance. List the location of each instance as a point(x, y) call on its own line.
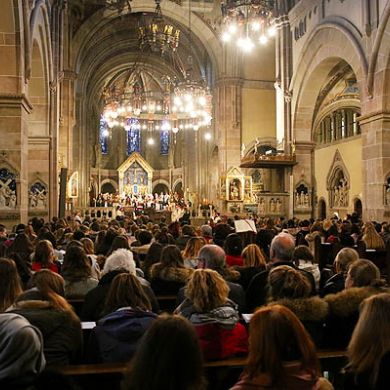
point(95, 299)
point(334, 285)
point(257, 291)
point(62, 334)
point(116, 336)
point(246, 275)
point(312, 311)
point(344, 314)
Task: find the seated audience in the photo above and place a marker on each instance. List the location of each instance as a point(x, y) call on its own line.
point(153, 256)
point(121, 261)
point(44, 257)
point(90, 251)
point(288, 287)
point(21, 245)
point(77, 273)
point(254, 262)
point(214, 316)
point(281, 354)
point(233, 249)
point(344, 258)
point(191, 251)
point(170, 348)
point(21, 352)
point(281, 251)
point(116, 336)
point(46, 308)
point(362, 281)
point(170, 274)
point(369, 348)
point(187, 232)
point(10, 286)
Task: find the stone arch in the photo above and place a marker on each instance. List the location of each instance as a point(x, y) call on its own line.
point(110, 182)
point(357, 206)
point(178, 186)
point(328, 45)
point(160, 183)
point(321, 209)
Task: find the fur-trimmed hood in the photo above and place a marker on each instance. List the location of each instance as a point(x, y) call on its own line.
point(312, 309)
point(346, 302)
point(174, 274)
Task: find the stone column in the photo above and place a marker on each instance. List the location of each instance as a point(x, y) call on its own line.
point(375, 128)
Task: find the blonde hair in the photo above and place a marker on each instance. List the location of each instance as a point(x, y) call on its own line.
point(371, 237)
point(207, 290)
point(88, 246)
point(193, 247)
point(253, 256)
point(370, 339)
point(344, 258)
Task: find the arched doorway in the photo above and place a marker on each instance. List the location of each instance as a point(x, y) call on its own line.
point(179, 188)
point(161, 188)
point(358, 207)
point(321, 209)
point(108, 188)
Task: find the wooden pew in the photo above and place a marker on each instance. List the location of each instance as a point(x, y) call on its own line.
point(219, 372)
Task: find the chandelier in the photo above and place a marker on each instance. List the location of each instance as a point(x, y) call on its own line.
point(157, 35)
point(247, 22)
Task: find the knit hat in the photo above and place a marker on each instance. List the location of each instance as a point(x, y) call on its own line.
point(21, 349)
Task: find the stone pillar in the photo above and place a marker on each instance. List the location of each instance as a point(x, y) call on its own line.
point(228, 121)
point(375, 128)
point(14, 111)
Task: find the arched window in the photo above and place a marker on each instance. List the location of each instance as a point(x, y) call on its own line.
point(337, 125)
point(164, 142)
point(133, 136)
point(103, 135)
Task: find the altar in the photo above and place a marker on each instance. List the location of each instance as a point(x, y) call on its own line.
point(135, 176)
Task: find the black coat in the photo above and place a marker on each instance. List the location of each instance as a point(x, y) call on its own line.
point(257, 291)
point(334, 285)
point(95, 299)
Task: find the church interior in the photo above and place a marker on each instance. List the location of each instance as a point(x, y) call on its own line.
point(287, 118)
point(195, 194)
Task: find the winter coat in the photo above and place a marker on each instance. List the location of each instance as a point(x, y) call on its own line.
point(170, 274)
point(116, 336)
point(334, 284)
point(246, 275)
point(312, 312)
point(234, 260)
point(296, 379)
point(219, 332)
point(344, 314)
point(62, 334)
point(95, 299)
point(79, 288)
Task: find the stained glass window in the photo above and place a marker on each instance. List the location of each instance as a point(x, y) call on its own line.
point(103, 135)
point(133, 136)
point(164, 142)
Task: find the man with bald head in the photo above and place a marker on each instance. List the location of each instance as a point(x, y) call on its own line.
point(281, 251)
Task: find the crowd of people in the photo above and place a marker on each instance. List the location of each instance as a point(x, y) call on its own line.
point(119, 268)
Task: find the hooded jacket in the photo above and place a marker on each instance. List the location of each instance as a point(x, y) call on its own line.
point(21, 351)
point(116, 336)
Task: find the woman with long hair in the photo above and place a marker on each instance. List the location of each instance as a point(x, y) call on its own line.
point(253, 262)
point(22, 246)
point(190, 253)
point(281, 354)
point(44, 257)
point(90, 252)
point(168, 357)
point(369, 348)
point(77, 273)
point(214, 316)
point(170, 273)
point(371, 237)
point(153, 256)
point(128, 315)
point(10, 286)
point(46, 308)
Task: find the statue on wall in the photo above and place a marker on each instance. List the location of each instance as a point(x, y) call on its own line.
point(272, 205)
point(340, 194)
point(7, 189)
point(37, 196)
point(234, 190)
point(261, 206)
point(278, 205)
point(302, 198)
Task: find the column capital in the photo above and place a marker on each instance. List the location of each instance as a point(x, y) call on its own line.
point(15, 101)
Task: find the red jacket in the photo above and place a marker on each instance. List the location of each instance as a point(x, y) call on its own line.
point(219, 343)
point(234, 260)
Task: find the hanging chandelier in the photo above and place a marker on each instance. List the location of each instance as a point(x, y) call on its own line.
point(247, 22)
point(157, 35)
